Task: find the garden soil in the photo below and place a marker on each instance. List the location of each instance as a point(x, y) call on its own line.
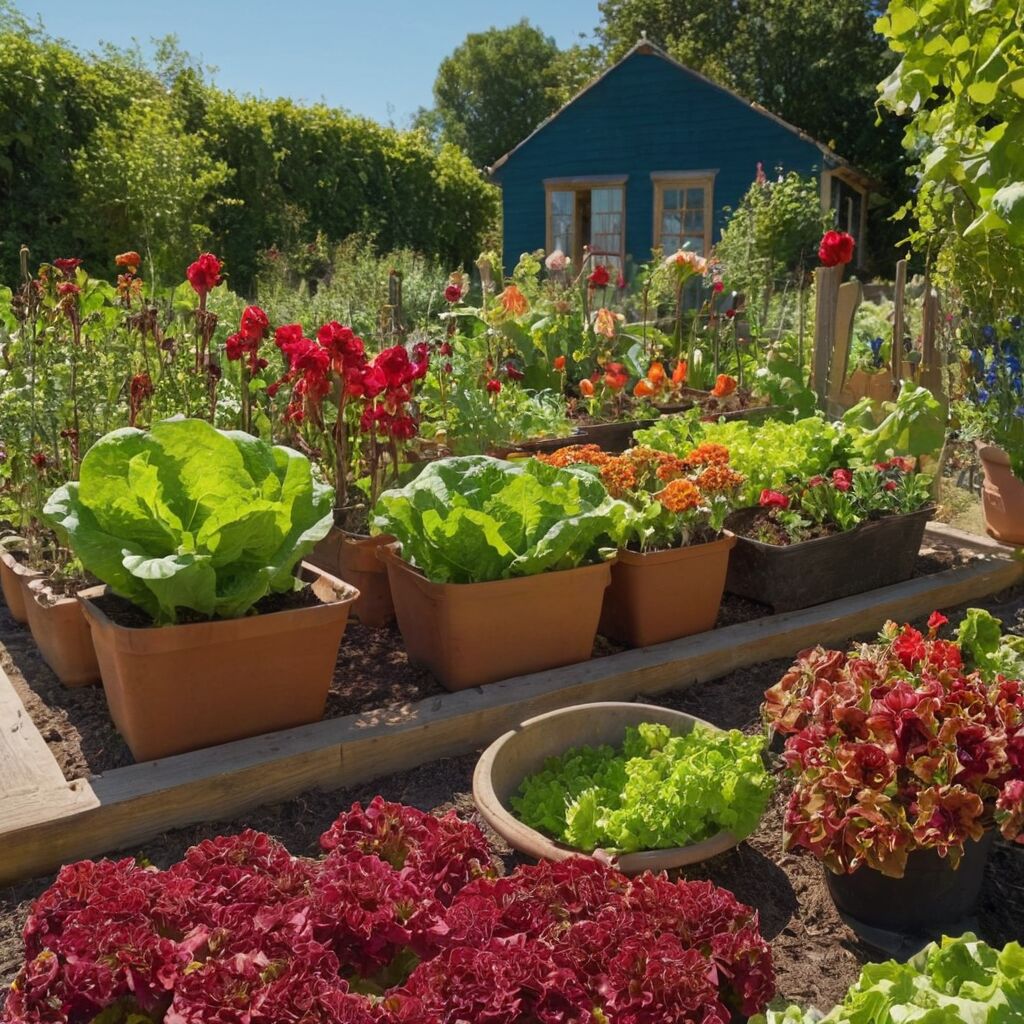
point(816, 956)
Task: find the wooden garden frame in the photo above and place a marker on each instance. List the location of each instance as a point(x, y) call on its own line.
point(46, 821)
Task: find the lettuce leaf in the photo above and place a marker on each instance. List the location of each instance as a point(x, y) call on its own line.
point(981, 637)
point(657, 791)
point(475, 519)
point(185, 516)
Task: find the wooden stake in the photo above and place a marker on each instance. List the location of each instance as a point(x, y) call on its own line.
point(826, 296)
point(899, 297)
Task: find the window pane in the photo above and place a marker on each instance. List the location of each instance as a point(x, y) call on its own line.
point(563, 217)
point(670, 224)
point(695, 198)
point(671, 199)
point(562, 203)
point(606, 200)
point(606, 223)
point(682, 218)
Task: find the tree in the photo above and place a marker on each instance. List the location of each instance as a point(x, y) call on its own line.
point(494, 89)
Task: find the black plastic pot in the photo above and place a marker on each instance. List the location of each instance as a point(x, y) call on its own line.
point(547, 444)
point(875, 554)
point(612, 437)
point(930, 894)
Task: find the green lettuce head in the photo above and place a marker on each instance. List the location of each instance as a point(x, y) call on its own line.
point(185, 516)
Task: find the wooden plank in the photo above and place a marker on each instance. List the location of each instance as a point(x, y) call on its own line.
point(898, 322)
point(962, 539)
point(851, 294)
point(136, 803)
point(826, 291)
point(26, 764)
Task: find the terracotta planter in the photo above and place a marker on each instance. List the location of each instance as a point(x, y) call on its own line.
point(14, 580)
point(469, 634)
point(1002, 496)
point(352, 558)
point(861, 384)
point(176, 688)
point(663, 595)
point(931, 894)
point(523, 751)
point(62, 635)
point(875, 554)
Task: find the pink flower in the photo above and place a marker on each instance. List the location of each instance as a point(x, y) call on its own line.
point(842, 479)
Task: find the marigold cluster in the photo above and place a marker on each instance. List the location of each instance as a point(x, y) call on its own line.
point(680, 496)
point(719, 479)
point(707, 453)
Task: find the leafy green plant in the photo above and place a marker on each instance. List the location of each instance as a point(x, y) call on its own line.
point(990, 650)
point(475, 519)
point(654, 792)
point(185, 517)
point(956, 981)
point(915, 425)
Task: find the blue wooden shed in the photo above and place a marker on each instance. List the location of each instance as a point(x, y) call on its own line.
point(648, 155)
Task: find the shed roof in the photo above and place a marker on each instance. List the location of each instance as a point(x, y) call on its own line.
point(647, 48)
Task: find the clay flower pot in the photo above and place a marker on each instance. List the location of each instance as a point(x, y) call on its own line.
point(523, 751)
point(663, 595)
point(14, 580)
point(1002, 496)
point(352, 557)
point(861, 384)
point(176, 688)
point(931, 894)
point(469, 634)
point(62, 635)
point(877, 553)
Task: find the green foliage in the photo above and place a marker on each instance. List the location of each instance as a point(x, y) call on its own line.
point(960, 85)
point(956, 981)
point(655, 792)
point(915, 424)
point(981, 637)
point(475, 519)
point(186, 517)
point(495, 88)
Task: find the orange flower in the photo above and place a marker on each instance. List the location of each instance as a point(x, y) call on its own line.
point(572, 454)
point(707, 454)
point(615, 376)
point(644, 388)
point(718, 478)
point(679, 373)
point(669, 468)
point(679, 496)
point(724, 385)
point(130, 259)
point(513, 301)
point(619, 475)
point(656, 373)
point(559, 363)
point(604, 322)
point(587, 388)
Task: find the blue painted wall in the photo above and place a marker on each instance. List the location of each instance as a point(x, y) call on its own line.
point(646, 115)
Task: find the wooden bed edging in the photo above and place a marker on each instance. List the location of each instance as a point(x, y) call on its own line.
point(46, 822)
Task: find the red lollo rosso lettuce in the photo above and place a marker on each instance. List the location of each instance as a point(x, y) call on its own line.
point(401, 922)
point(897, 747)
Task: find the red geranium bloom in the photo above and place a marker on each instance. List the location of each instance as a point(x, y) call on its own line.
point(842, 479)
point(836, 247)
point(204, 274)
point(936, 621)
point(68, 265)
point(600, 276)
point(773, 499)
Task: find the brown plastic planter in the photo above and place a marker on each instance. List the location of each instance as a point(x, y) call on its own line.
point(931, 893)
point(875, 554)
point(663, 595)
point(537, 445)
point(1002, 496)
point(14, 580)
point(523, 751)
point(62, 635)
point(176, 688)
point(469, 634)
point(352, 558)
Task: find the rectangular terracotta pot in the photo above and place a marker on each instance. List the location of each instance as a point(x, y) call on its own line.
point(352, 558)
point(171, 689)
point(657, 596)
point(877, 553)
point(14, 579)
point(469, 634)
point(62, 635)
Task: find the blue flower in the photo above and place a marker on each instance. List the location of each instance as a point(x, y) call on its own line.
point(982, 396)
point(988, 333)
point(876, 351)
point(977, 360)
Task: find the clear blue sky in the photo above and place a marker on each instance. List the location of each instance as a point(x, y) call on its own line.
point(374, 58)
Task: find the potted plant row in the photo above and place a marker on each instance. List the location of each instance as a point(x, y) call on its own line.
point(908, 756)
point(831, 536)
point(500, 567)
point(669, 576)
point(203, 629)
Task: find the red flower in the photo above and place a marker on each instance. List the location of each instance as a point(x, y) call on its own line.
point(836, 247)
point(254, 324)
point(395, 365)
point(204, 274)
point(620, 281)
point(513, 372)
point(600, 276)
point(445, 348)
point(842, 479)
point(39, 460)
point(559, 363)
point(235, 346)
point(616, 376)
point(453, 293)
point(936, 621)
point(772, 499)
point(493, 386)
point(68, 265)
point(68, 288)
point(717, 287)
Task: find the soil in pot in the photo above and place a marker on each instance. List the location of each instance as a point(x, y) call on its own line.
point(877, 553)
point(1002, 496)
point(350, 554)
point(177, 688)
point(663, 595)
point(14, 579)
point(469, 634)
point(60, 630)
point(930, 895)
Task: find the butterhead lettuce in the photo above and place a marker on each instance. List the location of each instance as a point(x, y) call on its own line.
point(185, 516)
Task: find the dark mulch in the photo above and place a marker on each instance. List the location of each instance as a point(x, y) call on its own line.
point(816, 955)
